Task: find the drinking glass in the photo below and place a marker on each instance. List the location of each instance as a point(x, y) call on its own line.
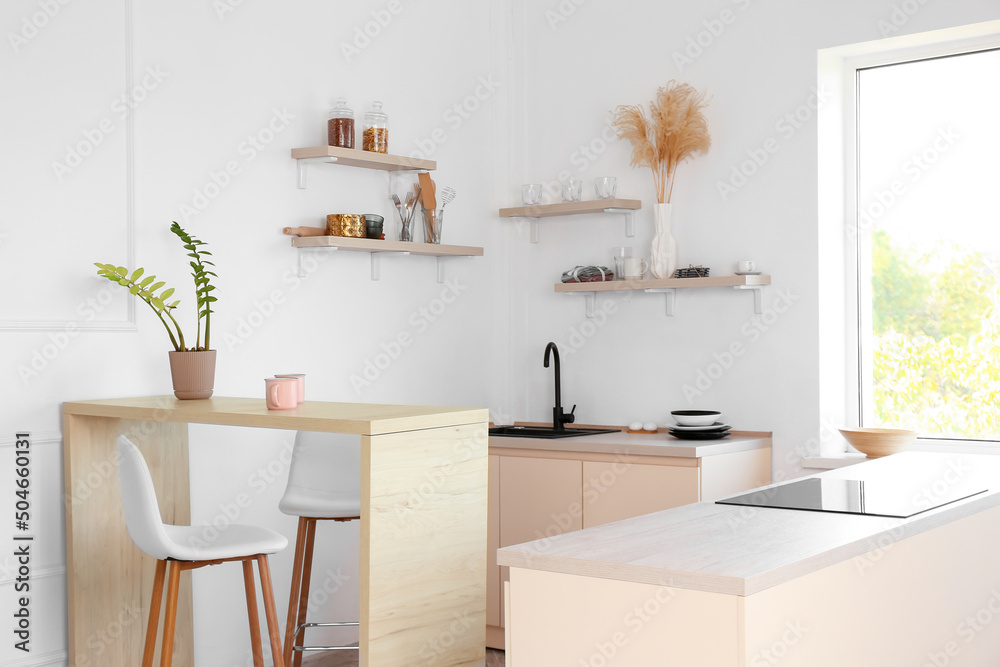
point(620, 254)
point(605, 187)
point(433, 221)
point(531, 194)
point(572, 190)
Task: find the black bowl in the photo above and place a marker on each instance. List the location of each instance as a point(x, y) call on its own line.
point(373, 225)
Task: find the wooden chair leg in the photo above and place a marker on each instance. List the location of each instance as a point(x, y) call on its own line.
point(166, 653)
point(293, 596)
point(306, 577)
point(269, 610)
point(258, 651)
point(154, 614)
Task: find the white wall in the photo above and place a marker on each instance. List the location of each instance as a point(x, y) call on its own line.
point(223, 75)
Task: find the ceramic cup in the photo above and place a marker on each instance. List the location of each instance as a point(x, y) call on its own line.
point(746, 266)
point(635, 268)
point(301, 378)
point(281, 393)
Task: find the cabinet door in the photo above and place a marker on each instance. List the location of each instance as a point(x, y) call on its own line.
point(624, 489)
point(538, 498)
point(494, 587)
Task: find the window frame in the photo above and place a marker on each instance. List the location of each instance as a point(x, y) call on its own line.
point(839, 253)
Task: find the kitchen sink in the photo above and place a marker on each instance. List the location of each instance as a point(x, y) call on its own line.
point(546, 432)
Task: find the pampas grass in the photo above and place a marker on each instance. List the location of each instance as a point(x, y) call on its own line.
point(674, 131)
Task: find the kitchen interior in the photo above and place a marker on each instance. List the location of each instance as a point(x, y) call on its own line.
point(428, 212)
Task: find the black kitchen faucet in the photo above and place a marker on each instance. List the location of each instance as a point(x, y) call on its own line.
point(559, 418)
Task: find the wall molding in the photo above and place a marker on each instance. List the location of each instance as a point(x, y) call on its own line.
point(43, 660)
point(129, 323)
point(36, 438)
point(40, 573)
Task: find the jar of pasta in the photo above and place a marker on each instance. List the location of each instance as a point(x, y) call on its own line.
point(376, 134)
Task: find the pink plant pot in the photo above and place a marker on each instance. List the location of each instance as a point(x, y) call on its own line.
point(193, 374)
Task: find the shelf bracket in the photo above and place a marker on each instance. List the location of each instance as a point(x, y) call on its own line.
point(629, 219)
point(534, 229)
point(375, 262)
point(758, 296)
point(301, 167)
point(590, 300)
point(670, 293)
point(440, 268)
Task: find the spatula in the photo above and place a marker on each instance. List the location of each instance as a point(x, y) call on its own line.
point(429, 200)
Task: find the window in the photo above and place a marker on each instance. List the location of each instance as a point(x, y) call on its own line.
point(909, 195)
point(928, 243)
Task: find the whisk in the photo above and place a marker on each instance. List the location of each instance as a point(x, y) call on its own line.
point(447, 196)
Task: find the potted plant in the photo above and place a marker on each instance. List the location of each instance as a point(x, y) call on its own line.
point(674, 132)
point(191, 368)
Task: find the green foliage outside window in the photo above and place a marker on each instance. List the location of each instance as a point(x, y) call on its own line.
point(936, 341)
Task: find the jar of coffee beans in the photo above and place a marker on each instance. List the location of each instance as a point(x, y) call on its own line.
point(376, 134)
point(340, 126)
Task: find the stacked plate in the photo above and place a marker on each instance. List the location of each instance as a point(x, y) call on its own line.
point(698, 425)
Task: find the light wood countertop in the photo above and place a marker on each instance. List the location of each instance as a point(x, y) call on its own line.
point(643, 444)
point(740, 550)
point(360, 418)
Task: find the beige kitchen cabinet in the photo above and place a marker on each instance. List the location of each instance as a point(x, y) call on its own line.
point(622, 489)
point(535, 498)
point(543, 488)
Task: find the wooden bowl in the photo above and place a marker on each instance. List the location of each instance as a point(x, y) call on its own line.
point(878, 442)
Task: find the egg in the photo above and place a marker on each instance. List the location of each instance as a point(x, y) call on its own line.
point(649, 426)
point(635, 426)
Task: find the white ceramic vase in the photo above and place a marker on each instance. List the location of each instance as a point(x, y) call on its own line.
point(663, 253)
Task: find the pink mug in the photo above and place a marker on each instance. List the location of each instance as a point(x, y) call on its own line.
point(301, 377)
point(281, 393)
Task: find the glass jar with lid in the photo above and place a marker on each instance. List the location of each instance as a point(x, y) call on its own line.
point(376, 134)
point(340, 126)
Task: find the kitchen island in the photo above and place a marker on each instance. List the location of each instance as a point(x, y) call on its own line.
point(541, 488)
point(712, 585)
point(423, 522)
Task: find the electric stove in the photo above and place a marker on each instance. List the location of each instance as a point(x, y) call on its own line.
point(886, 497)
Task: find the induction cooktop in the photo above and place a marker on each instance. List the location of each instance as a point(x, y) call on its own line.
point(889, 498)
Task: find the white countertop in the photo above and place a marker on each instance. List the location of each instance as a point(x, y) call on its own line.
point(741, 550)
point(643, 444)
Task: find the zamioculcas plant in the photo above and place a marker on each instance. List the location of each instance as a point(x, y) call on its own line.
point(149, 289)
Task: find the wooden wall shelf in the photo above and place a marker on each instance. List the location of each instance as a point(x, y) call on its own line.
point(352, 157)
point(669, 287)
point(628, 207)
point(377, 248)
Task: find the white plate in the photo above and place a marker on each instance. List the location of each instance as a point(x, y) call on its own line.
point(747, 273)
point(717, 426)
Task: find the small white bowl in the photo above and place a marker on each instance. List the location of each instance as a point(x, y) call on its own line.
point(696, 417)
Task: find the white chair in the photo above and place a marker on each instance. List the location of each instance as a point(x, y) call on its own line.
point(179, 548)
point(324, 484)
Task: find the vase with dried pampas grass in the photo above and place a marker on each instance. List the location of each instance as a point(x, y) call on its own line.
point(675, 130)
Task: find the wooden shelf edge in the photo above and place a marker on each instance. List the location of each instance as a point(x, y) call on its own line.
point(374, 245)
point(664, 283)
point(365, 159)
point(570, 208)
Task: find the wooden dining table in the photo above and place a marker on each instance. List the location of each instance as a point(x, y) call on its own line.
point(423, 522)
